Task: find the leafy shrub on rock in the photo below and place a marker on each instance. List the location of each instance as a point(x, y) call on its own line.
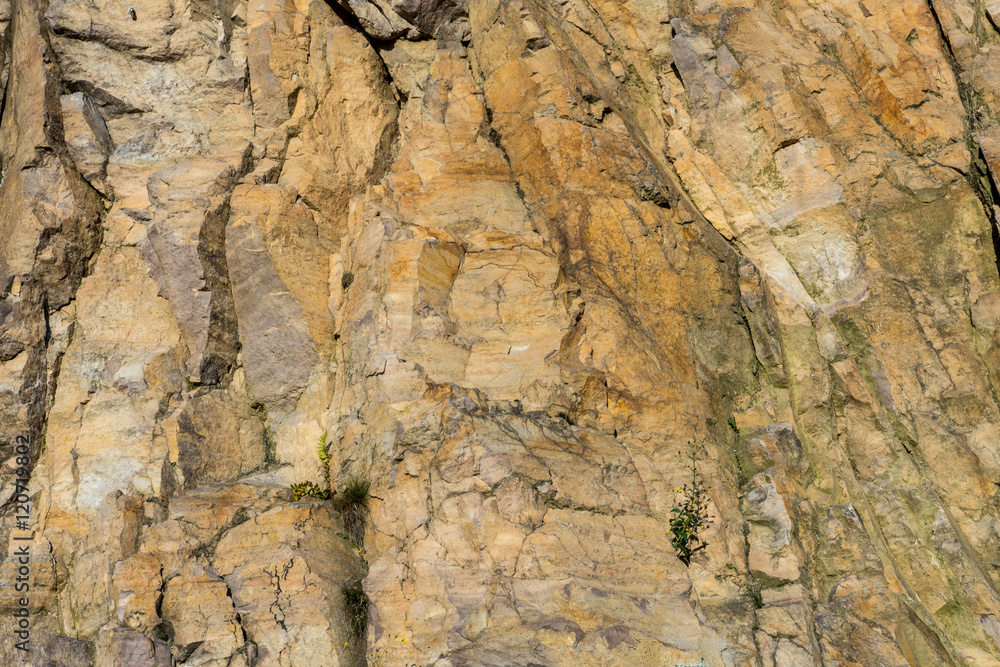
point(690, 515)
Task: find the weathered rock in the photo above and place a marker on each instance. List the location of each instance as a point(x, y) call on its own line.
point(48, 649)
point(87, 137)
point(279, 353)
point(121, 647)
point(511, 263)
point(286, 568)
point(379, 19)
point(190, 203)
point(138, 581)
point(215, 437)
point(199, 609)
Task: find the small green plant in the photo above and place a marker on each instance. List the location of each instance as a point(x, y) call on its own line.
point(352, 501)
point(309, 490)
point(346, 280)
point(324, 457)
point(732, 424)
point(690, 515)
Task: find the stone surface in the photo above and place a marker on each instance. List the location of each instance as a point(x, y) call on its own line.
point(87, 138)
point(138, 580)
point(509, 262)
point(202, 617)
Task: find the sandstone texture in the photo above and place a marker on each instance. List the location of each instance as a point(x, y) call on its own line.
point(510, 262)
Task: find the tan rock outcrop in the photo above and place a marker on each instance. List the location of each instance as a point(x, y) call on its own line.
point(500, 267)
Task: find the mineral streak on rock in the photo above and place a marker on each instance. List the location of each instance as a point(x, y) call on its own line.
point(511, 258)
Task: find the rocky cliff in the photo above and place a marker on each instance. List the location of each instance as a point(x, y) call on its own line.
point(516, 259)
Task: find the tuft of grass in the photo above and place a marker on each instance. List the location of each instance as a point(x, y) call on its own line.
point(352, 501)
point(755, 594)
point(356, 608)
point(690, 514)
point(346, 280)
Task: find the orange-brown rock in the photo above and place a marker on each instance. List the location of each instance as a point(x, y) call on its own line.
point(507, 263)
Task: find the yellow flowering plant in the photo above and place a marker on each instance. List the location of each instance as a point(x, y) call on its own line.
point(690, 514)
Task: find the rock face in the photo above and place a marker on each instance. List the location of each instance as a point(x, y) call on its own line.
point(516, 260)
